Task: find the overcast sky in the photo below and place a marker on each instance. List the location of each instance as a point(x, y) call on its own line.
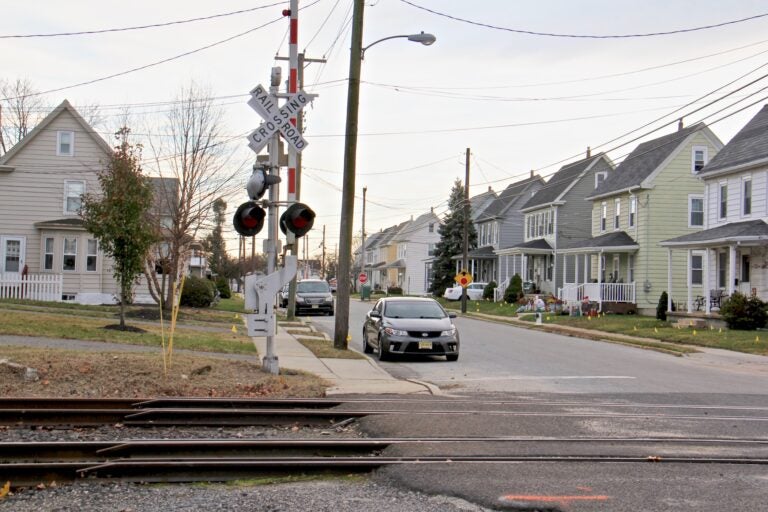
point(519, 101)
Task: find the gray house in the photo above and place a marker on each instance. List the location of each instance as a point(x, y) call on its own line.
point(557, 214)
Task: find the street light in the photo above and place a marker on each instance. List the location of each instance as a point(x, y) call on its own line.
point(341, 331)
point(425, 39)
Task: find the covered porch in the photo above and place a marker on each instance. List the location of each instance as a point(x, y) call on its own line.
point(481, 264)
point(602, 271)
point(720, 261)
point(536, 261)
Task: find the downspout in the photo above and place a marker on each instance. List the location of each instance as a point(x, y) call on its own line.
point(553, 213)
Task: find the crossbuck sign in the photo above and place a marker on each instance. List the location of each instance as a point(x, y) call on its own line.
point(277, 119)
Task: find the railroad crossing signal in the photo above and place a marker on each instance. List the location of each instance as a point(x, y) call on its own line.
point(277, 119)
point(463, 278)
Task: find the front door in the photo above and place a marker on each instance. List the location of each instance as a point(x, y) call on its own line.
point(12, 249)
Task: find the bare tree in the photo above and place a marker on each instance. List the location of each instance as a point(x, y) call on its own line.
point(195, 166)
point(21, 108)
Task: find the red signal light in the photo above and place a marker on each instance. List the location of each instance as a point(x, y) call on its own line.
point(249, 219)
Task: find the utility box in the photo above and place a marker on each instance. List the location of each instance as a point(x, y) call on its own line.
point(365, 292)
point(260, 325)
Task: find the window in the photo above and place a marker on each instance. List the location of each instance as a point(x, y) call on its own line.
point(698, 158)
point(746, 200)
point(70, 254)
point(722, 262)
point(603, 215)
point(48, 253)
point(600, 178)
point(73, 191)
point(632, 211)
point(723, 200)
point(551, 227)
point(431, 249)
point(631, 268)
point(428, 275)
point(65, 143)
point(431, 227)
point(695, 211)
point(401, 251)
point(540, 224)
point(91, 256)
point(616, 213)
point(697, 269)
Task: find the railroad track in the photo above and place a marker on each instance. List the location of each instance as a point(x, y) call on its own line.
point(322, 412)
point(29, 463)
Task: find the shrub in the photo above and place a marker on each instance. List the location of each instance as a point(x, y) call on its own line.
point(515, 289)
point(661, 308)
point(742, 313)
point(222, 285)
point(197, 292)
point(488, 290)
point(394, 290)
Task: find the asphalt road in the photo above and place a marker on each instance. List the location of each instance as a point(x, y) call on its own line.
point(503, 358)
point(556, 396)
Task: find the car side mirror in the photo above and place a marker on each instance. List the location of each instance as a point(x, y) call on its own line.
point(374, 314)
point(451, 314)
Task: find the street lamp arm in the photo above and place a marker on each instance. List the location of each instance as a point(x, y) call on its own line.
point(425, 39)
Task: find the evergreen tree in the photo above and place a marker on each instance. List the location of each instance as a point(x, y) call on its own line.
point(214, 244)
point(451, 241)
point(119, 218)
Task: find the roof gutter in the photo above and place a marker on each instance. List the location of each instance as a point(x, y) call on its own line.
point(614, 192)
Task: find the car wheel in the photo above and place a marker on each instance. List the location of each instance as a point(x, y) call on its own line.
point(452, 357)
point(330, 313)
point(383, 352)
point(367, 349)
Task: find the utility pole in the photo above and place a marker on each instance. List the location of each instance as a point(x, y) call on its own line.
point(322, 263)
point(466, 230)
point(362, 251)
point(341, 331)
point(2, 141)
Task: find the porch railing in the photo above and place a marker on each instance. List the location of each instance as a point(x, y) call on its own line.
point(498, 292)
point(44, 287)
point(598, 292)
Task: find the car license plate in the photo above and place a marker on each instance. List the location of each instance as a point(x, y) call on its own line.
point(425, 345)
point(315, 306)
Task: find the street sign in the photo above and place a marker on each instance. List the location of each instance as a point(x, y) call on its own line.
point(277, 119)
point(362, 278)
point(463, 278)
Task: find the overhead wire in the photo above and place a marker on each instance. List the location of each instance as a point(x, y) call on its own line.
point(142, 27)
point(586, 36)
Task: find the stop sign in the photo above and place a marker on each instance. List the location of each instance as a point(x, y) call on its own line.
point(362, 278)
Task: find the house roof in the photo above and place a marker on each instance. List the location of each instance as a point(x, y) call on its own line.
point(478, 254)
point(561, 181)
point(643, 160)
point(507, 198)
point(414, 225)
point(748, 230)
point(480, 202)
point(539, 244)
point(396, 264)
point(613, 240)
point(65, 105)
point(67, 223)
point(748, 146)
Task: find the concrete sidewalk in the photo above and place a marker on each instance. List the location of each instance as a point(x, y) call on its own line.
point(347, 376)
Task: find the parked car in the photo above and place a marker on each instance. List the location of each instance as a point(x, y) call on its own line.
point(313, 296)
point(474, 292)
point(332, 283)
point(410, 325)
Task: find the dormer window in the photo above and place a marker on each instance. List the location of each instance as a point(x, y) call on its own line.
point(698, 158)
point(65, 143)
point(600, 178)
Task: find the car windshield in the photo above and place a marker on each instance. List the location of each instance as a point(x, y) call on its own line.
point(312, 287)
point(413, 309)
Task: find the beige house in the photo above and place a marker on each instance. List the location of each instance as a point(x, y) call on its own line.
point(42, 238)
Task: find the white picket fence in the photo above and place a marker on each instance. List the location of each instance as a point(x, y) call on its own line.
point(598, 292)
point(45, 287)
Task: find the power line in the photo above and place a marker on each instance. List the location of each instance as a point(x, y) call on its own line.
point(141, 27)
point(584, 36)
point(157, 63)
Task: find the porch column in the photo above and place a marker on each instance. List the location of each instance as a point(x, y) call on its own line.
point(600, 280)
point(576, 266)
point(586, 262)
point(565, 259)
point(731, 269)
point(669, 279)
point(506, 266)
point(688, 280)
point(705, 282)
